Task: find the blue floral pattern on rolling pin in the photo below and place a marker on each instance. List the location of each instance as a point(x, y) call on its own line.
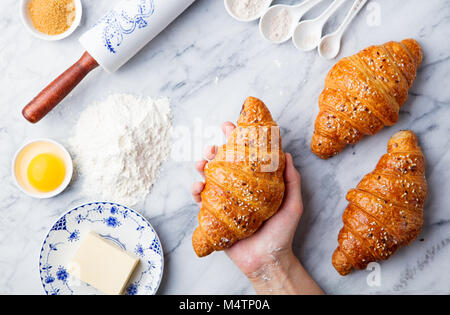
point(118, 224)
point(120, 22)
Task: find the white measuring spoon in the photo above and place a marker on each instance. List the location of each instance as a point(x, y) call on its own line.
point(330, 45)
point(307, 34)
point(229, 7)
point(294, 14)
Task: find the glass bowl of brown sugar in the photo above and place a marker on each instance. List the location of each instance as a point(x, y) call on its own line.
point(51, 19)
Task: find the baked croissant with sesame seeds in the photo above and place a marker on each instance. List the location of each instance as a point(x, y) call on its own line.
point(385, 211)
point(363, 93)
point(244, 183)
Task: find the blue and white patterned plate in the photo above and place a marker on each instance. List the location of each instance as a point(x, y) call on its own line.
point(121, 225)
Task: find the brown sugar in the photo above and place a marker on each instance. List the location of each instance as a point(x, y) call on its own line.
point(52, 17)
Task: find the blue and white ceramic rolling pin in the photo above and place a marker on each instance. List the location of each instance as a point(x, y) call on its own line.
point(110, 43)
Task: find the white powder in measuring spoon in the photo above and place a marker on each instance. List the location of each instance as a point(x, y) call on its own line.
point(119, 145)
point(249, 9)
point(280, 25)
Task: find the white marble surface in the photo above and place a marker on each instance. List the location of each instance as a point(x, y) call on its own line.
point(207, 63)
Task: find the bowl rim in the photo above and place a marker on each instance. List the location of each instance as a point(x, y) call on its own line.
point(26, 21)
point(67, 178)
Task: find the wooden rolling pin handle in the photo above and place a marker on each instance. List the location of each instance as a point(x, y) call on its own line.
point(58, 89)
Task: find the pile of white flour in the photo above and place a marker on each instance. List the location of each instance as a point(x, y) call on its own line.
point(119, 145)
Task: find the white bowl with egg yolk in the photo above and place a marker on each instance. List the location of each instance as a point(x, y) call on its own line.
point(27, 153)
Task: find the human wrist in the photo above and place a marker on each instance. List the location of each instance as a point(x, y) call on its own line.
point(284, 275)
point(274, 276)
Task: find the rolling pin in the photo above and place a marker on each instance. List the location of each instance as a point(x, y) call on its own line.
point(110, 43)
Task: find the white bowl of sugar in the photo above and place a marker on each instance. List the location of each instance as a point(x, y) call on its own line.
point(72, 24)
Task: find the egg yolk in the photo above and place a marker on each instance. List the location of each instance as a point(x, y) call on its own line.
point(46, 172)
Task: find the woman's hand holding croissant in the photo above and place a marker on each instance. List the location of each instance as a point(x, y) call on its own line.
point(266, 257)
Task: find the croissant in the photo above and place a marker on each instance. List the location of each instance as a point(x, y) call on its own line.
point(385, 211)
point(244, 183)
point(363, 93)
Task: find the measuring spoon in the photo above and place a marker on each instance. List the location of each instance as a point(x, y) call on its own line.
point(291, 15)
point(330, 45)
point(307, 34)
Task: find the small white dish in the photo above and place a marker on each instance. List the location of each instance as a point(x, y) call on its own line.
point(30, 27)
point(228, 6)
point(118, 224)
point(59, 151)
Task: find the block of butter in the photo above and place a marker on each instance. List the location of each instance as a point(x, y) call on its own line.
point(102, 264)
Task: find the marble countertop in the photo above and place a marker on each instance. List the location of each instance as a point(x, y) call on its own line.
point(207, 63)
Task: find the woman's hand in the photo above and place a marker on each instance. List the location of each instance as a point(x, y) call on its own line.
point(266, 257)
